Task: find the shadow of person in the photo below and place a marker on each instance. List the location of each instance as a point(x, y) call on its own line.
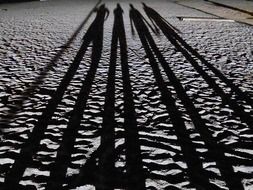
point(149, 11)
point(38, 80)
point(106, 176)
point(133, 12)
point(94, 35)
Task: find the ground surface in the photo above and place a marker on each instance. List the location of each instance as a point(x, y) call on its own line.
point(213, 151)
point(241, 12)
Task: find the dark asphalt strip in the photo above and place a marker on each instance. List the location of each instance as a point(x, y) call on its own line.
point(230, 7)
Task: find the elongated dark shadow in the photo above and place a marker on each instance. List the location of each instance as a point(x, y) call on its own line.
point(133, 153)
point(186, 49)
point(192, 159)
point(30, 147)
point(106, 164)
point(63, 158)
point(105, 175)
point(215, 151)
point(40, 78)
point(90, 173)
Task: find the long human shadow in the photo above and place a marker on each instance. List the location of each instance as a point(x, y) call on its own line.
point(134, 175)
point(63, 158)
point(165, 144)
point(106, 167)
point(43, 73)
point(186, 49)
point(133, 153)
point(194, 164)
point(214, 149)
point(30, 147)
point(90, 172)
point(105, 176)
